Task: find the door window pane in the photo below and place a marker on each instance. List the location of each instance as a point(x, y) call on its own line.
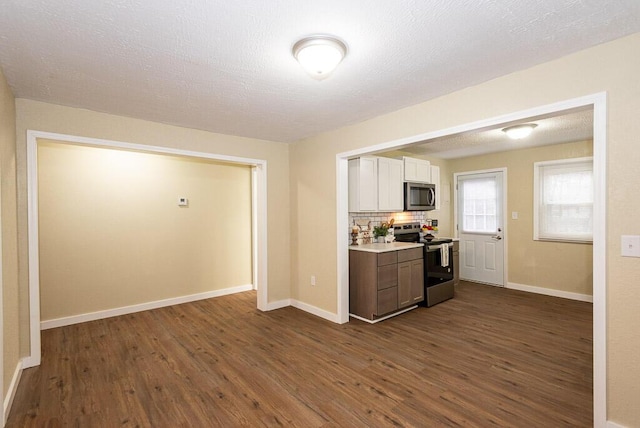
point(479, 205)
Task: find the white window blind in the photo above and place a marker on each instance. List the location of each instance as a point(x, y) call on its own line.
point(563, 200)
point(479, 205)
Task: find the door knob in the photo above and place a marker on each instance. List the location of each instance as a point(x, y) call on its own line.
point(497, 237)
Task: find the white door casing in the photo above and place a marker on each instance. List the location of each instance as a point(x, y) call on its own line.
point(480, 221)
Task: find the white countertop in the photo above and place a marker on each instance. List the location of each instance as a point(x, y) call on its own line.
point(383, 248)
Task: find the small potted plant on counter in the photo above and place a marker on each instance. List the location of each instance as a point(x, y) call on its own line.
point(380, 232)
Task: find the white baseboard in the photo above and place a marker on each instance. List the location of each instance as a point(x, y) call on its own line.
point(550, 292)
point(278, 305)
point(11, 393)
point(30, 361)
point(92, 316)
point(303, 307)
point(614, 425)
point(377, 320)
point(330, 316)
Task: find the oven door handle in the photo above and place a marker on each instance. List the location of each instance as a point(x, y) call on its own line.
point(434, 249)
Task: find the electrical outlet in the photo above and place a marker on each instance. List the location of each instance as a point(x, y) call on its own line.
point(313, 280)
point(183, 202)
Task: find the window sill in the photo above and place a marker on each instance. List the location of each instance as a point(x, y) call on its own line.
point(565, 240)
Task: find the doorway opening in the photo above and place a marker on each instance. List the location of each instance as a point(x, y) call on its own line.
point(258, 217)
point(596, 102)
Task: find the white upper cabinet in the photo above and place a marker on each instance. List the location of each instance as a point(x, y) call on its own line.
point(375, 184)
point(417, 170)
point(390, 187)
point(435, 179)
point(363, 184)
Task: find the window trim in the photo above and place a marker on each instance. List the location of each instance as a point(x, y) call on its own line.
point(536, 198)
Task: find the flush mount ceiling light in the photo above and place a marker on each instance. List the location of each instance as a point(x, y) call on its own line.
point(319, 55)
point(518, 132)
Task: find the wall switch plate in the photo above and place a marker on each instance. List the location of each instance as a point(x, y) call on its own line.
point(183, 202)
point(631, 245)
point(313, 280)
point(514, 215)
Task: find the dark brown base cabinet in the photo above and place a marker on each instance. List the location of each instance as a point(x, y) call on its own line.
point(383, 283)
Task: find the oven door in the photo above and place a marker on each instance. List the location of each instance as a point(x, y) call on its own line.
point(438, 279)
point(435, 272)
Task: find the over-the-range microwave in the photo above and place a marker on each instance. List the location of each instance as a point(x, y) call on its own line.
point(419, 196)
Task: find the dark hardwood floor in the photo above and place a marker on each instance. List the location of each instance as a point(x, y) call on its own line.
point(489, 357)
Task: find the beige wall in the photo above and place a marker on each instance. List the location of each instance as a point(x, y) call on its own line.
point(445, 228)
point(9, 233)
point(556, 265)
point(612, 67)
point(113, 235)
point(53, 118)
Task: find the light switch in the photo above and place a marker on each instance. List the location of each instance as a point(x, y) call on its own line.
point(514, 215)
point(631, 245)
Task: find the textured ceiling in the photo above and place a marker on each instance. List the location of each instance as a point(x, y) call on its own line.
point(227, 66)
point(561, 128)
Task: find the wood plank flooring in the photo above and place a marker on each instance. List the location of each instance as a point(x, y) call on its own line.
point(489, 357)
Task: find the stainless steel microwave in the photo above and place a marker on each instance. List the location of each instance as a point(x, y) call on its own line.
point(419, 197)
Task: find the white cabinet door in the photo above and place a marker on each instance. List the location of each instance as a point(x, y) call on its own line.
point(417, 170)
point(363, 184)
point(435, 179)
point(424, 171)
point(390, 187)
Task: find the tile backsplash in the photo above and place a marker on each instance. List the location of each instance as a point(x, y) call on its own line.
point(379, 217)
point(376, 218)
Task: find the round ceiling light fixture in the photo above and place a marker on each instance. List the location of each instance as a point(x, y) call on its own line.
point(517, 132)
point(319, 55)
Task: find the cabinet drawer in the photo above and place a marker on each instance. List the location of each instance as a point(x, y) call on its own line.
point(410, 254)
point(389, 258)
point(387, 300)
point(387, 276)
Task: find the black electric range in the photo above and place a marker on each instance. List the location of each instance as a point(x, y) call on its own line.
point(438, 262)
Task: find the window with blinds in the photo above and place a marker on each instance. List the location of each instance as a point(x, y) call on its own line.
point(563, 200)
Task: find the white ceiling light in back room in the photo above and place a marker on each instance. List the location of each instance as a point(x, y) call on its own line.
point(518, 132)
point(319, 55)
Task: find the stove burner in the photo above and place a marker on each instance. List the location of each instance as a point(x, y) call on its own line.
point(410, 232)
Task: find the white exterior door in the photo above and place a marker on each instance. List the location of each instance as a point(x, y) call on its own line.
point(480, 222)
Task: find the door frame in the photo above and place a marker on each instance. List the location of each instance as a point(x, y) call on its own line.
point(598, 102)
point(505, 232)
point(258, 219)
